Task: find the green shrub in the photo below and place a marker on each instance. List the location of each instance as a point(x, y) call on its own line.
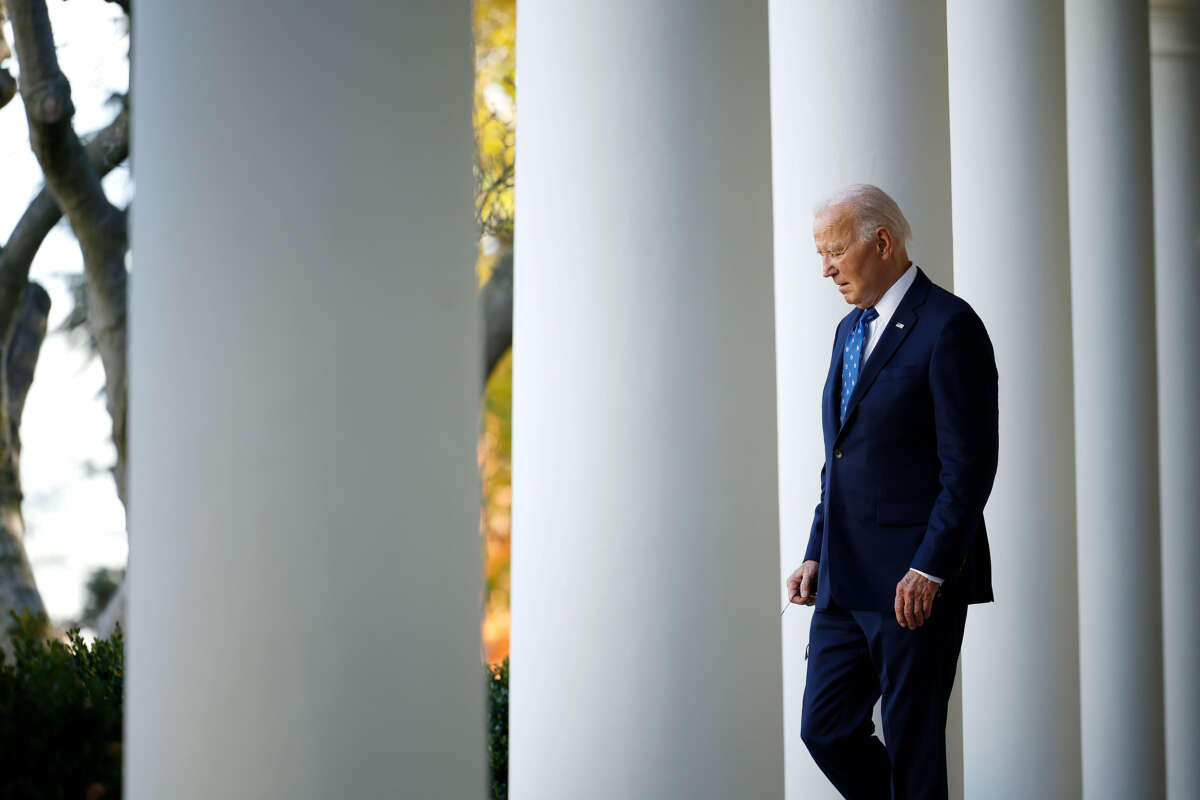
point(498, 729)
point(60, 714)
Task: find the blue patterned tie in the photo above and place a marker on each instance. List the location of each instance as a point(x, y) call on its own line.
point(852, 358)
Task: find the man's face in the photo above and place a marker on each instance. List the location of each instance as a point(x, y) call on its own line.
point(858, 268)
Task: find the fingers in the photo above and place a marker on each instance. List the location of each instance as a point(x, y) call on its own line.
point(793, 585)
point(914, 604)
point(910, 608)
point(919, 613)
point(802, 584)
point(808, 589)
point(906, 606)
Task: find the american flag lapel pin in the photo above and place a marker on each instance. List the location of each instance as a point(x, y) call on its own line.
point(899, 324)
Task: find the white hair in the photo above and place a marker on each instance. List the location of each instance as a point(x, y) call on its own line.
point(871, 208)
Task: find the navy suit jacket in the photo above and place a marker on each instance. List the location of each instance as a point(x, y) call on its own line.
point(907, 475)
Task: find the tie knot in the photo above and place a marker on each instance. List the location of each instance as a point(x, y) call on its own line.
point(869, 316)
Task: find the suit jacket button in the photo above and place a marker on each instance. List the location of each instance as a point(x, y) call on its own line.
point(837, 453)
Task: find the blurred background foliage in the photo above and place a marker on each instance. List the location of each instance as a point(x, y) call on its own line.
point(494, 115)
point(495, 24)
point(495, 467)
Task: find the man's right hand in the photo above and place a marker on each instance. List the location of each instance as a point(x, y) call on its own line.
point(802, 584)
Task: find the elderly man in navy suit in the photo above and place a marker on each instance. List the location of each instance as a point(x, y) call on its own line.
point(898, 547)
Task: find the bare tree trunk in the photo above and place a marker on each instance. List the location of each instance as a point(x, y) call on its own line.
point(22, 327)
point(23, 312)
point(18, 590)
point(74, 183)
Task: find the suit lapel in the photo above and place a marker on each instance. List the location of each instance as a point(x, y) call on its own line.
point(833, 383)
point(899, 326)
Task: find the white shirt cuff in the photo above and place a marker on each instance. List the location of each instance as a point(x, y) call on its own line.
point(927, 575)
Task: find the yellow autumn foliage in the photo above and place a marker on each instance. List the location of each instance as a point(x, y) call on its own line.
point(495, 23)
point(495, 114)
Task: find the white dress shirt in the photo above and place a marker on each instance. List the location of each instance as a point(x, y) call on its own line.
point(886, 307)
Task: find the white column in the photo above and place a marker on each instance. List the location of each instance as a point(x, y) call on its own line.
point(1008, 148)
point(1175, 82)
point(878, 117)
point(305, 598)
point(645, 632)
point(1116, 431)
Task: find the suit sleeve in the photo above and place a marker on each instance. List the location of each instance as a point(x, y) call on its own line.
point(964, 386)
point(813, 551)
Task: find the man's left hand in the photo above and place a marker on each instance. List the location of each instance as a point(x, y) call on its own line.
point(914, 599)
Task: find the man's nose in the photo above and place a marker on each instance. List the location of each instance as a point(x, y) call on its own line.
point(827, 268)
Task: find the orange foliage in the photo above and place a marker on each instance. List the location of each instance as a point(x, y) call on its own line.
point(495, 470)
point(495, 23)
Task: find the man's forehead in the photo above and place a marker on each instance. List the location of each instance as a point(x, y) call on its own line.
point(829, 224)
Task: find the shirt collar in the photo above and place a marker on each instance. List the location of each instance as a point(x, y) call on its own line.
point(890, 301)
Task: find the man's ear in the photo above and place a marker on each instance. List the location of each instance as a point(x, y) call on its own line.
point(883, 242)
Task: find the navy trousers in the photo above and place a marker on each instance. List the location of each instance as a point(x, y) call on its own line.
point(853, 658)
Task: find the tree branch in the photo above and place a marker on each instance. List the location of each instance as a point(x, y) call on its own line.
point(18, 588)
point(107, 149)
point(496, 298)
point(8, 87)
point(21, 357)
point(46, 92)
point(99, 226)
